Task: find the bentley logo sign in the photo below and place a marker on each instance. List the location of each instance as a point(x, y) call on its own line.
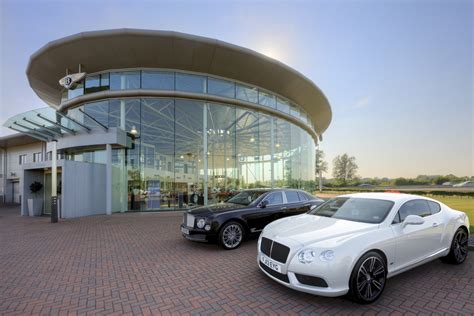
point(70, 81)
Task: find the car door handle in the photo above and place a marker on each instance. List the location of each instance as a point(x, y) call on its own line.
point(435, 224)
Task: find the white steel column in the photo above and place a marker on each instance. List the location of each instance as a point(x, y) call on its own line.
point(272, 153)
point(123, 171)
point(108, 180)
point(205, 156)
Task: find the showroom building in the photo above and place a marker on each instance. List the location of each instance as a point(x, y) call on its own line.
point(155, 120)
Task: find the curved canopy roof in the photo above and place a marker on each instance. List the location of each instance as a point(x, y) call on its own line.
point(130, 48)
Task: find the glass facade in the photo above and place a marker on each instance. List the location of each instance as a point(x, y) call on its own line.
point(188, 152)
point(166, 80)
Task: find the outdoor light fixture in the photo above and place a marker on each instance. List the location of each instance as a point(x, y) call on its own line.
point(252, 139)
point(134, 131)
point(181, 156)
point(277, 145)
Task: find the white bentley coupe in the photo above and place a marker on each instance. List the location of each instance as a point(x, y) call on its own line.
point(353, 243)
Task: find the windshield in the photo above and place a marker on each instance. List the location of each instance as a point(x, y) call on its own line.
point(245, 197)
point(355, 209)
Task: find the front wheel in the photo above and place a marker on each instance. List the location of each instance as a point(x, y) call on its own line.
point(459, 248)
point(368, 278)
point(231, 235)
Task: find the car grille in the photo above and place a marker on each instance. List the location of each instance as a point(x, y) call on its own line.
point(274, 250)
point(189, 220)
point(311, 280)
point(273, 273)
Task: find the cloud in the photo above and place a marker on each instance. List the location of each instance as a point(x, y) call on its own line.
point(361, 103)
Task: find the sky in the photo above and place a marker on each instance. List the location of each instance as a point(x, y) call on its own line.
point(398, 74)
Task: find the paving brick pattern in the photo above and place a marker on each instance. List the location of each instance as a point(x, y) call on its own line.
point(139, 264)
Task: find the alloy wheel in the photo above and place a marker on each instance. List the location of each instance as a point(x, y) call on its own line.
point(460, 246)
point(371, 278)
point(232, 236)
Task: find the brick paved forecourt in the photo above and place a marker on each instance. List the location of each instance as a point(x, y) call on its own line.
point(139, 264)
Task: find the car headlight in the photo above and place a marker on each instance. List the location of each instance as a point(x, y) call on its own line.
point(201, 223)
point(326, 255)
point(306, 256)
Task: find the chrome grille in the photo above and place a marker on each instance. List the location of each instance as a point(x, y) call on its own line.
point(189, 220)
point(274, 250)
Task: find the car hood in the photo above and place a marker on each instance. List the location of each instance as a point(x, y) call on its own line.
point(216, 209)
point(308, 229)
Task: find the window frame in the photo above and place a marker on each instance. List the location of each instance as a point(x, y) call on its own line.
point(435, 203)
point(37, 154)
point(288, 200)
point(20, 160)
point(276, 192)
point(399, 209)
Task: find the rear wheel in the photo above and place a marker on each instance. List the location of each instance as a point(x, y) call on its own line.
point(459, 248)
point(368, 278)
point(231, 235)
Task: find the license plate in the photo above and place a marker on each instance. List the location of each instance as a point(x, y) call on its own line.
point(185, 230)
point(270, 263)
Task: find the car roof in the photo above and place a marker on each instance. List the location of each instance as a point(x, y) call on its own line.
point(271, 190)
point(395, 197)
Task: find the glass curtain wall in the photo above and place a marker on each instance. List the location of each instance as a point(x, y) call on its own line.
point(188, 152)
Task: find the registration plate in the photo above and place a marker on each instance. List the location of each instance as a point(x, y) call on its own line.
point(270, 263)
point(185, 230)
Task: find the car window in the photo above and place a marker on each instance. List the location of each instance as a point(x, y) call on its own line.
point(245, 197)
point(355, 209)
point(302, 196)
point(414, 207)
point(434, 207)
point(274, 198)
point(292, 196)
point(309, 196)
point(397, 220)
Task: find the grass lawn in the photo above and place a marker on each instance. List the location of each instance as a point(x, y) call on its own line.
point(463, 204)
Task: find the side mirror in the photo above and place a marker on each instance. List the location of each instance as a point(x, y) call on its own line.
point(263, 204)
point(413, 220)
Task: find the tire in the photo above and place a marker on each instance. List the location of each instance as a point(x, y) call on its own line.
point(368, 278)
point(459, 248)
point(231, 235)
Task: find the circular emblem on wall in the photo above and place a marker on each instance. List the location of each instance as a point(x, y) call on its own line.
point(72, 80)
point(67, 82)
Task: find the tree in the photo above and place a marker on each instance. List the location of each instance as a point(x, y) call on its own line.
point(321, 167)
point(345, 168)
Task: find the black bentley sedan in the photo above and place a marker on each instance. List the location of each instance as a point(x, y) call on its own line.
point(243, 215)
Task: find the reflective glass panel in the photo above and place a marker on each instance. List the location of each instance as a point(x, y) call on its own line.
point(248, 154)
point(126, 80)
point(158, 80)
point(294, 111)
point(246, 93)
point(223, 177)
point(222, 88)
point(158, 144)
point(190, 83)
point(77, 91)
point(98, 110)
point(92, 84)
point(283, 105)
point(189, 154)
point(266, 99)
